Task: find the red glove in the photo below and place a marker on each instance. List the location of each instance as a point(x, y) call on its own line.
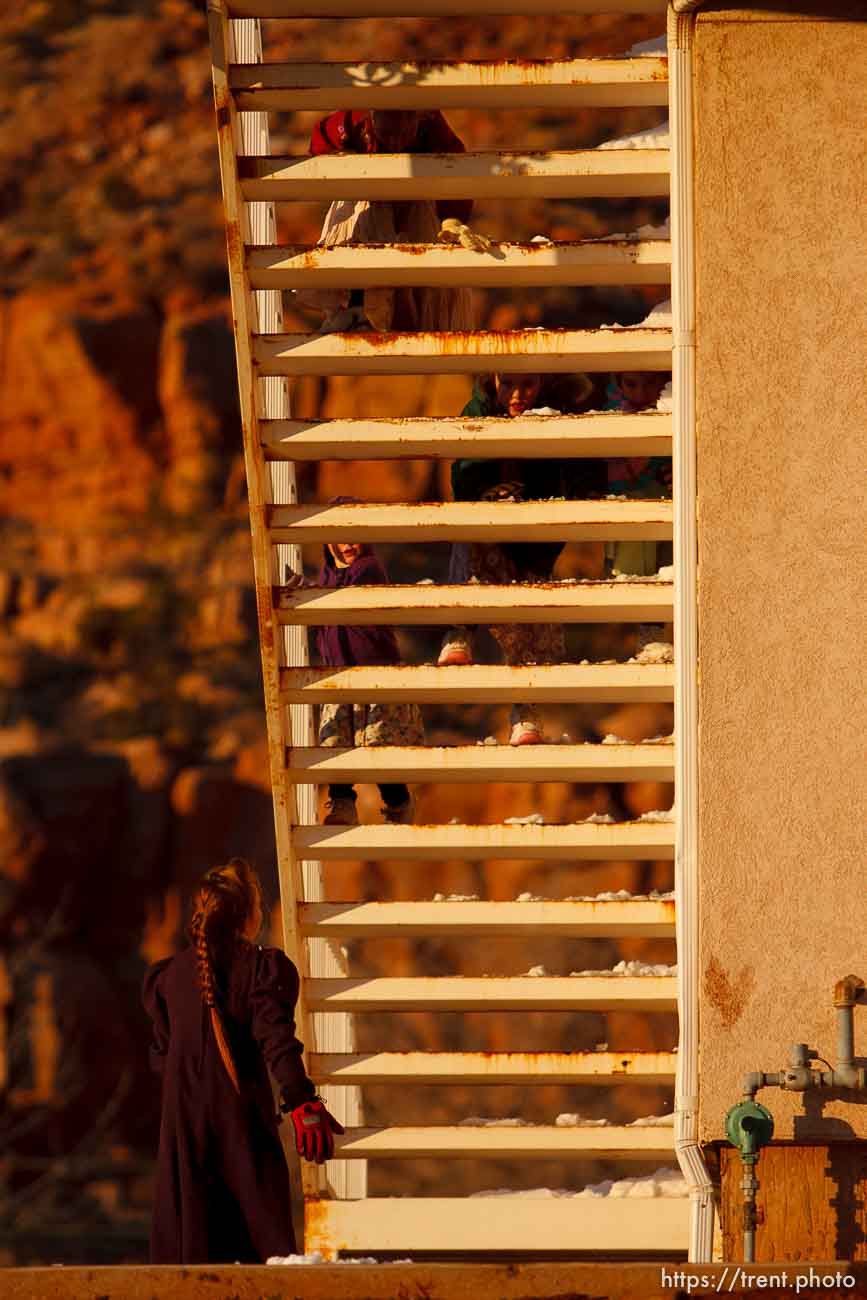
point(314, 1131)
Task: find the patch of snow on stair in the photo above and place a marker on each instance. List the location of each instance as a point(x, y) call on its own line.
point(628, 969)
point(661, 1183)
point(654, 137)
point(657, 45)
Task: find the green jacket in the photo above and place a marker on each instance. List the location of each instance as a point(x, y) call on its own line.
point(573, 479)
point(541, 479)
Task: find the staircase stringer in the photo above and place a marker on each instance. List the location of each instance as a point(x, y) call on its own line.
point(244, 221)
point(324, 958)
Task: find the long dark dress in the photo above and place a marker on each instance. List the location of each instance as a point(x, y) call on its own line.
point(222, 1185)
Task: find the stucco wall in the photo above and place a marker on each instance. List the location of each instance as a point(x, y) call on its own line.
point(781, 220)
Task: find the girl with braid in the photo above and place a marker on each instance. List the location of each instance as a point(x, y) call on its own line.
point(223, 1010)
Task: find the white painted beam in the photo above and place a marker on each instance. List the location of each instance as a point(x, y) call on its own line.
point(430, 604)
point(596, 763)
point(646, 918)
point(524, 1068)
point(351, 266)
point(486, 1142)
point(607, 434)
point(482, 684)
point(639, 993)
point(576, 174)
point(432, 8)
point(543, 83)
point(600, 1225)
point(524, 351)
point(625, 840)
point(474, 521)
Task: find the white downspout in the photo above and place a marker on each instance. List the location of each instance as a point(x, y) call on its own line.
point(689, 1156)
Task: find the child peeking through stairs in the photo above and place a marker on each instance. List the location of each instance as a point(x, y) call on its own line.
point(496, 479)
point(348, 564)
point(417, 221)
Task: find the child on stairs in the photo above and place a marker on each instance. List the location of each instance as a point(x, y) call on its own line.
point(417, 221)
point(506, 562)
point(348, 564)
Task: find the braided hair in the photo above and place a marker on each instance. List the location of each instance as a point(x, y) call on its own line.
point(222, 905)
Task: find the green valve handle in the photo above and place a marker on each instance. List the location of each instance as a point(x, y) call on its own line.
point(749, 1127)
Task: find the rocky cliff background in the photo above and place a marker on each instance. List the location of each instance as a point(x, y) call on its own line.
point(132, 751)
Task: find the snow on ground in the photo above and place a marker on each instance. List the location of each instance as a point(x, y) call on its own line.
point(316, 1258)
point(645, 1121)
point(628, 968)
point(643, 232)
point(622, 896)
point(664, 574)
point(659, 317)
point(479, 1121)
point(531, 819)
point(610, 896)
point(580, 1121)
point(657, 45)
point(664, 1182)
point(651, 232)
point(655, 652)
point(654, 137)
point(531, 1194)
point(570, 1120)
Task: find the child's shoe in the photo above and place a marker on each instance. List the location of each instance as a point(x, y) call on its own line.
point(400, 814)
point(526, 733)
point(341, 812)
point(456, 652)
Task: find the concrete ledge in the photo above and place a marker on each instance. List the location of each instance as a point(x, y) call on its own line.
point(542, 1281)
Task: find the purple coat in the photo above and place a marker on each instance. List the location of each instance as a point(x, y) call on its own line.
point(222, 1185)
point(346, 647)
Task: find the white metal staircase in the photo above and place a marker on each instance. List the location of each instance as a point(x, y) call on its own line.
point(340, 1216)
